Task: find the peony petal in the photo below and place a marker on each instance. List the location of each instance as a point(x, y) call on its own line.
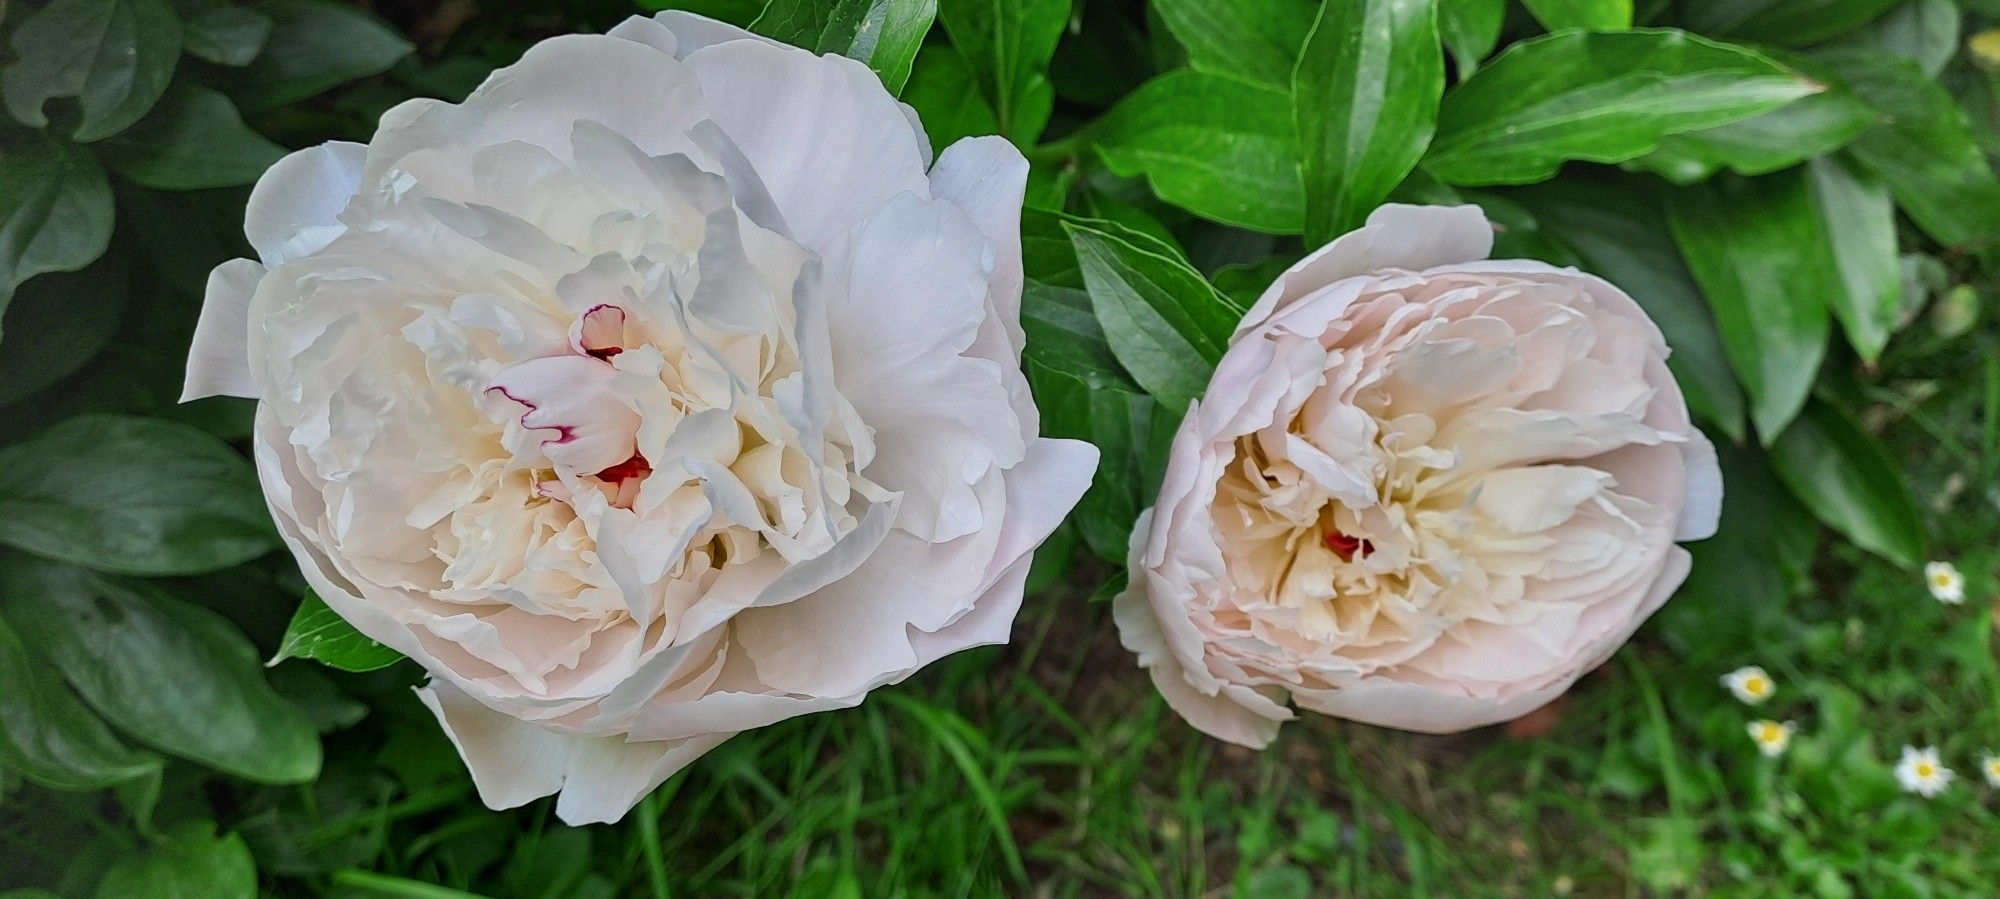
point(1396, 237)
point(219, 360)
point(294, 209)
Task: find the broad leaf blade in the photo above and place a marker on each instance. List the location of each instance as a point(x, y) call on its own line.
point(49, 736)
point(1794, 23)
point(1598, 97)
point(315, 45)
point(1924, 150)
point(1255, 41)
point(317, 632)
point(1779, 139)
point(114, 56)
point(1163, 321)
point(55, 210)
point(1861, 226)
point(1222, 148)
point(884, 34)
point(189, 860)
point(1365, 100)
point(193, 140)
point(1851, 482)
point(1009, 44)
point(1594, 15)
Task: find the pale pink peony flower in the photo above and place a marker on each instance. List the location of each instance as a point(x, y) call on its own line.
point(662, 389)
point(1424, 490)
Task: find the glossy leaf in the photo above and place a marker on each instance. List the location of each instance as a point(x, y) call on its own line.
point(1222, 148)
point(132, 496)
point(188, 861)
point(1365, 100)
point(1470, 30)
point(1595, 15)
point(1850, 482)
point(1759, 250)
point(114, 56)
point(1923, 31)
point(1162, 320)
point(1924, 149)
point(1598, 97)
point(1779, 139)
point(226, 35)
point(1793, 23)
point(171, 674)
point(885, 34)
point(1619, 233)
point(945, 93)
point(1861, 226)
point(315, 45)
point(193, 140)
point(55, 210)
point(57, 322)
point(317, 632)
point(1009, 43)
point(1257, 41)
point(49, 736)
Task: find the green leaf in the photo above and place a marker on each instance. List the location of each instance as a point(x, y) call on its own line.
point(1258, 41)
point(884, 34)
point(1759, 250)
point(57, 322)
point(1163, 321)
point(226, 35)
point(1595, 15)
point(1597, 97)
point(1779, 139)
point(1470, 29)
point(1763, 545)
point(1046, 253)
point(48, 735)
point(132, 495)
point(188, 862)
point(1793, 23)
point(1618, 232)
point(1009, 43)
point(315, 45)
point(55, 210)
point(945, 93)
point(1924, 150)
point(318, 632)
point(1851, 483)
point(171, 674)
point(1365, 99)
point(114, 56)
point(1861, 227)
point(1222, 148)
point(193, 140)
point(1925, 32)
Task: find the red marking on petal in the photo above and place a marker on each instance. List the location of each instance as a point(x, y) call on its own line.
point(1347, 547)
point(634, 467)
point(600, 333)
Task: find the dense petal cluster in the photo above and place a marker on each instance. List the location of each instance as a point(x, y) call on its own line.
point(662, 389)
point(1424, 490)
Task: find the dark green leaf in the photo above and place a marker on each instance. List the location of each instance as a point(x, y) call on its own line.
point(114, 56)
point(1365, 101)
point(318, 632)
point(1164, 323)
point(315, 45)
point(1924, 150)
point(1595, 15)
point(1850, 482)
point(1780, 139)
point(1599, 97)
point(1760, 252)
point(945, 93)
point(173, 675)
point(133, 496)
point(192, 140)
point(226, 35)
point(1008, 43)
point(1258, 41)
point(1618, 232)
point(56, 323)
point(48, 735)
point(1470, 29)
point(1861, 226)
point(1793, 23)
point(1924, 31)
point(1222, 148)
point(187, 862)
point(885, 34)
point(1046, 253)
point(55, 210)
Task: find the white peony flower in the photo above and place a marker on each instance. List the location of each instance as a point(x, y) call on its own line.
point(1921, 772)
point(662, 389)
point(1946, 583)
point(1424, 490)
point(1750, 684)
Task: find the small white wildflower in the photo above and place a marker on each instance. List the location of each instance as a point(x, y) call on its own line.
point(1921, 772)
point(1771, 737)
point(1947, 585)
point(1750, 684)
point(1990, 764)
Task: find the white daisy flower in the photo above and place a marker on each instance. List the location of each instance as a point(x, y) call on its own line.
point(1990, 764)
point(1770, 736)
point(1921, 772)
point(1750, 683)
point(1947, 585)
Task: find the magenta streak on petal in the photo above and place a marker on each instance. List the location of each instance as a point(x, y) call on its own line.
point(565, 433)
